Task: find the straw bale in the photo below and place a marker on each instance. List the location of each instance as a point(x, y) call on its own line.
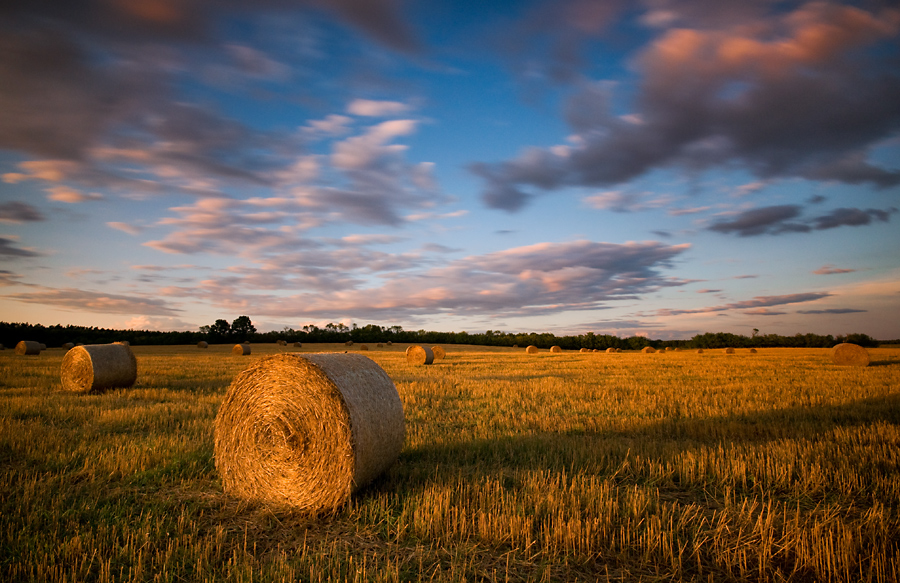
point(348, 343)
point(28, 347)
point(281, 342)
point(555, 349)
point(43, 346)
point(69, 345)
point(439, 353)
point(363, 347)
point(203, 344)
point(307, 431)
point(532, 349)
point(648, 349)
point(123, 343)
point(610, 350)
point(298, 345)
point(379, 345)
point(419, 355)
point(389, 343)
point(699, 351)
point(241, 349)
point(729, 350)
point(752, 351)
point(847, 354)
point(668, 349)
point(585, 350)
point(96, 367)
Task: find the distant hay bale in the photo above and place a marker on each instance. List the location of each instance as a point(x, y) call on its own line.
point(389, 343)
point(585, 350)
point(419, 355)
point(203, 344)
point(752, 351)
point(699, 351)
point(69, 345)
point(379, 345)
point(847, 354)
point(348, 343)
point(363, 347)
point(307, 431)
point(729, 350)
point(97, 367)
point(555, 349)
point(298, 345)
point(648, 349)
point(28, 347)
point(43, 346)
point(532, 349)
point(610, 350)
point(515, 345)
point(668, 349)
point(439, 353)
point(241, 349)
point(281, 342)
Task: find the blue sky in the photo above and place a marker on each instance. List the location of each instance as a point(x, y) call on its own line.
point(662, 167)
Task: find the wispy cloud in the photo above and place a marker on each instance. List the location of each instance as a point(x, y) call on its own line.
point(19, 212)
point(10, 249)
point(831, 270)
point(755, 304)
point(83, 300)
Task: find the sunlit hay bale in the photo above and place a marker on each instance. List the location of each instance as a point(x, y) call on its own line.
point(123, 343)
point(555, 349)
point(668, 349)
point(610, 350)
point(348, 343)
point(676, 349)
point(69, 345)
point(96, 367)
point(752, 351)
point(203, 344)
point(585, 350)
point(618, 350)
point(648, 349)
point(28, 347)
point(532, 349)
point(241, 349)
point(363, 347)
point(699, 351)
point(729, 350)
point(439, 353)
point(307, 431)
point(419, 355)
point(847, 354)
point(298, 345)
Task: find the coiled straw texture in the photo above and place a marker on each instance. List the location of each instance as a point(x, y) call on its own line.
point(96, 367)
point(847, 354)
point(307, 431)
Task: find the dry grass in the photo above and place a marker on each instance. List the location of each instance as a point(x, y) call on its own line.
point(777, 467)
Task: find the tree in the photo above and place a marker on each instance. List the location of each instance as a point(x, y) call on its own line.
point(242, 327)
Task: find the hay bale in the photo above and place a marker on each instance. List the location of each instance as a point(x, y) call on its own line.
point(28, 347)
point(348, 343)
point(555, 349)
point(419, 355)
point(379, 345)
point(298, 345)
point(729, 350)
point(389, 343)
point(439, 353)
point(610, 350)
point(43, 346)
point(281, 342)
point(241, 349)
point(668, 349)
point(69, 345)
point(847, 354)
point(363, 347)
point(648, 349)
point(532, 349)
point(752, 351)
point(203, 344)
point(123, 343)
point(96, 367)
point(585, 350)
point(307, 431)
point(699, 351)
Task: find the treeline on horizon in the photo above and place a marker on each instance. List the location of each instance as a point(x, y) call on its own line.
point(55, 336)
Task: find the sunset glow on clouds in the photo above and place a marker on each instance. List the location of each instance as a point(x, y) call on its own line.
point(664, 167)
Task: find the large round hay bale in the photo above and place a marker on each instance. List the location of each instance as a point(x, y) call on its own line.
point(419, 355)
point(555, 349)
point(306, 431)
point(610, 350)
point(648, 349)
point(203, 344)
point(28, 347)
point(389, 343)
point(43, 346)
point(668, 349)
point(96, 367)
point(439, 353)
point(729, 350)
point(847, 354)
point(241, 349)
point(69, 345)
point(532, 349)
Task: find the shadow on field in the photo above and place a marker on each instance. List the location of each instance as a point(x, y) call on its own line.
point(604, 452)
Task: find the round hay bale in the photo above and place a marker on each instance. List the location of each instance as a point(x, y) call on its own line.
point(123, 343)
point(532, 349)
point(729, 350)
point(241, 349)
point(298, 345)
point(555, 349)
point(439, 353)
point(610, 350)
point(648, 349)
point(43, 346)
point(96, 367)
point(379, 345)
point(419, 355)
point(389, 343)
point(69, 345)
point(307, 431)
point(28, 347)
point(348, 343)
point(699, 351)
point(203, 344)
point(585, 350)
point(752, 351)
point(668, 349)
point(363, 347)
point(281, 342)
point(847, 354)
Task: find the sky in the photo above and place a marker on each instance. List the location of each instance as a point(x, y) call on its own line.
point(662, 168)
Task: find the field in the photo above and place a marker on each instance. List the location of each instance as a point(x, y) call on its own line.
point(676, 466)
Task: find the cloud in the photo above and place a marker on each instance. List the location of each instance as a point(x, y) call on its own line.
point(770, 219)
point(781, 94)
point(88, 301)
point(851, 217)
point(8, 278)
point(10, 250)
point(831, 270)
point(832, 311)
point(749, 305)
point(370, 108)
point(19, 212)
point(125, 227)
point(71, 196)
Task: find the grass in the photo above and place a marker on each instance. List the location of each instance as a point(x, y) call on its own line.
point(675, 466)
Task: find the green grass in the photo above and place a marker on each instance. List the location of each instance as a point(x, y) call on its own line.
point(776, 466)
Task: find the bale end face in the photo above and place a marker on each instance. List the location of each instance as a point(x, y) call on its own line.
point(555, 349)
point(439, 353)
point(847, 354)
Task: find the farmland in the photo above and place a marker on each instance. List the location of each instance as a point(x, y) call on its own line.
point(674, 466)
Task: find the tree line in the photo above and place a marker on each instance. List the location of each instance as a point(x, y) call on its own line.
point(242, 329)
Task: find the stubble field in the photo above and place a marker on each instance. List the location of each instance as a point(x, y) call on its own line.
point(676, 466)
